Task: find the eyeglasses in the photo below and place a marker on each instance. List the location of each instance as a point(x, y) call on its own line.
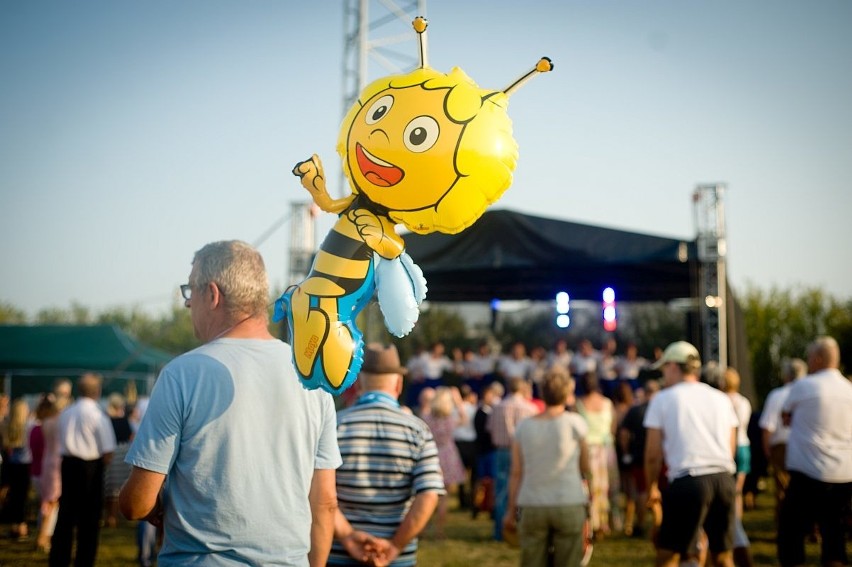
point(186, 291)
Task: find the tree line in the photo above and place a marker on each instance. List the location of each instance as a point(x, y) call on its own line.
point(779, 323)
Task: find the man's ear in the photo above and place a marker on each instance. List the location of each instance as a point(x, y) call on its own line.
point(215, 295)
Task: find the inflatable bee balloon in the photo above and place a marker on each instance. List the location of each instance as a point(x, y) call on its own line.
point(426, 149)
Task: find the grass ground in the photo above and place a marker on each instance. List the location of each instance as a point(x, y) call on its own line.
point(468, 543)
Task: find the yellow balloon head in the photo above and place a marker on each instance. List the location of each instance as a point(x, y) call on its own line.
point(432, 148)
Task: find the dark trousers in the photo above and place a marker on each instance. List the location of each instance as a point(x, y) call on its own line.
point(80, 507)
point(810, 501)
point(467, 450)
point(17, 477)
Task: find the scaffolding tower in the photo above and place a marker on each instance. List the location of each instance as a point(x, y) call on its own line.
point(709, 207)
point(373, 33)
point(378, 40)
point(302, 240)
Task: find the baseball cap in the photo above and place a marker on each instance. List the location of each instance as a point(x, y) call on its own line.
point(679, 352)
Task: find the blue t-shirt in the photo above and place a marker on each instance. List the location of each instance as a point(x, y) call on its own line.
point(239, 438)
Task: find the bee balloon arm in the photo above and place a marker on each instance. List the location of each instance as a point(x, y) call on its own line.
point(378, 232)
point(313, 179)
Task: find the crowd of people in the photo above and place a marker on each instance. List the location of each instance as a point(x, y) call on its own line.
point(607, 385)
point(61, 454)
point(560, 448)
point(682, 432)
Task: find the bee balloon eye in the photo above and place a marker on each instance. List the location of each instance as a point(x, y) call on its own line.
point(379, 109)
point(421, 134)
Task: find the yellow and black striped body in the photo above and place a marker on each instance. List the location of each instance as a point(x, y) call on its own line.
point(321, 310)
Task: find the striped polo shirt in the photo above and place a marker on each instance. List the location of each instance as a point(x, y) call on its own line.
point(389, 456)
point(506, 416)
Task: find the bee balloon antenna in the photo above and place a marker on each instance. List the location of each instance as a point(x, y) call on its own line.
point(544, 65)
point(420, 24)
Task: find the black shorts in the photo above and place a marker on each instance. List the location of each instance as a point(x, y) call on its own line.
point(694, 502)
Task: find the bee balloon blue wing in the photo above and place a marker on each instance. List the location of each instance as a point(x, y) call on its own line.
point(401, 288)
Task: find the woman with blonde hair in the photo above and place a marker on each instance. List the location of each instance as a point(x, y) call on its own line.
point(447, 412)
point(17, 459)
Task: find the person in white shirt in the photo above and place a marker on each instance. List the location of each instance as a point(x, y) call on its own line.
point(465, 437)
point(560, 355)
point(426, 370)
point(774, 432)
point(818, 410)
point(516, 364)
point(86, 442)
point(479, 366)
point(630, 365)
point(694, 426)
point(606, 367)
point(585, 360)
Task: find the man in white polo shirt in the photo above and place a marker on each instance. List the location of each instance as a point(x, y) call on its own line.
point(694, 426)
point(86, 441)
point(818, 410)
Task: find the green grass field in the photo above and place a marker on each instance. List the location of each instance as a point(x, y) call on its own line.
point(468, 543)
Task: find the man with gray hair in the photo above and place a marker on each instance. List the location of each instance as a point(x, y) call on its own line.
point(819, 458)
point(775, 433)
point(244, 455)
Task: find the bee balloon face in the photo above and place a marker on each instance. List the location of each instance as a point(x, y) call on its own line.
point(400, 149)
point(433, 149)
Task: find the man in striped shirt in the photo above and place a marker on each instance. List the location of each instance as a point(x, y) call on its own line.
point(390, 480)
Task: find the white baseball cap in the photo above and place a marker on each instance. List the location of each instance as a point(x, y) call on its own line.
point(679, 352)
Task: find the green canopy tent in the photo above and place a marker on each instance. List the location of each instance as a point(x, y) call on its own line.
point(33, 357)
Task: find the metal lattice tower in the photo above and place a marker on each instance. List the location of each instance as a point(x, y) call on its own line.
point(373, 33)
point(377, 40)
point(709, 207)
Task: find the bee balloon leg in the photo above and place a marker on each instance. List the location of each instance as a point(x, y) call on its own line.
point(327, 346)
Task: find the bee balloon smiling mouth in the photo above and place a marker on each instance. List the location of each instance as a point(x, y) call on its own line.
point(447, 152)
point(377, 171)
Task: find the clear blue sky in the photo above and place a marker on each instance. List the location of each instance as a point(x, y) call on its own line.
point(132, 133)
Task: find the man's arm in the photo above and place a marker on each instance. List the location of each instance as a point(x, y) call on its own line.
point(323, 501)
point(765, 436)
point(413, 523)
point(139, 498)
point(515, 476)
point(734, 442)
point(653, 463)
point(585, 463)
point(360, 545)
